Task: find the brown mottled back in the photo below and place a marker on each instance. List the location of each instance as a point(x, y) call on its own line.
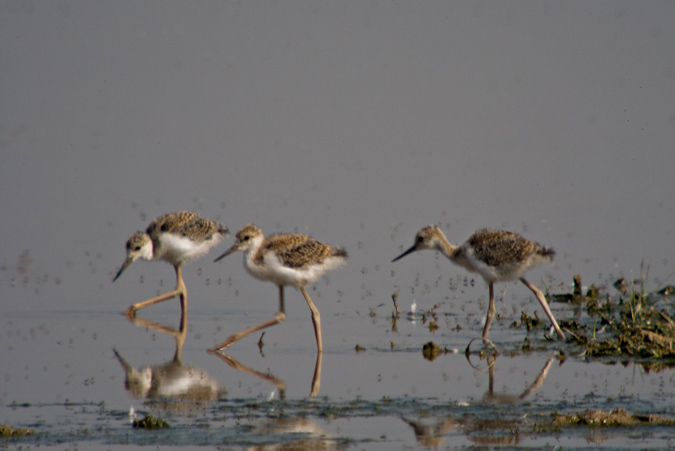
point(184, 223)
point(499, 247)
point(297, 251)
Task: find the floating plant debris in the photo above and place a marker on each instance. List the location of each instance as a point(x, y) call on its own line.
point(8, 431)
point(150, 422)
point(615, 418)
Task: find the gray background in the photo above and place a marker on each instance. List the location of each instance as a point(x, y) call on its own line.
point(349, 120)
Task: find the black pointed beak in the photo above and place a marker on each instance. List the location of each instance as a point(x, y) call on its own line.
point(226, 253)
point(125, 265)
point(123, 362)
point(409, 251)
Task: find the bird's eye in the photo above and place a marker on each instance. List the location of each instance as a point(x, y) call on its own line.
point(420, 239)
point(137, 248)
point(246, 238)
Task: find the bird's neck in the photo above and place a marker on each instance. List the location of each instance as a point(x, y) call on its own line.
point(445, 247)
point(148, 252)
point(254, 261)
point(254, 255)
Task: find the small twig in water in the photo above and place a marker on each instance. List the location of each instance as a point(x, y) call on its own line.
point(394, 297)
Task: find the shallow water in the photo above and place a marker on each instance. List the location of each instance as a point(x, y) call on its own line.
point(72, 376)
point(357, 123)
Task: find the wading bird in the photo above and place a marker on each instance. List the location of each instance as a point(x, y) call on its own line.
point(175, 238)
point(497, 255)
point(284, 259)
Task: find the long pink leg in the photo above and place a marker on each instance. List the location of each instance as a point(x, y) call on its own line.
point(491, 311)
point(279, 317)
point(316, 380)
point(488, 322)
point(316, 319)
point(179, 291)
point(542, 300)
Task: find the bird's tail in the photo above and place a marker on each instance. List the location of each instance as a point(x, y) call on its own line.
point(546, 252)
point(339, 252)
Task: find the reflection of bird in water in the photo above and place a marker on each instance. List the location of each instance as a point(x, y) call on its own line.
point(502, 398)
point(490, 431)
point(171, 380)
point(175, 238)
point(295, 434)
point(279, 384)
point(269, 378)
point(497, 431)
point(431, 436)
point(482, 431)
point(497, 255)
point(285, 259)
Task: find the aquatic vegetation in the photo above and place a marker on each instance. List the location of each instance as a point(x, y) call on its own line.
point(615, 418)
point(632, 326)
point(431, 350)
point(150, 422)
point(531, 322)
point(8, 431)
